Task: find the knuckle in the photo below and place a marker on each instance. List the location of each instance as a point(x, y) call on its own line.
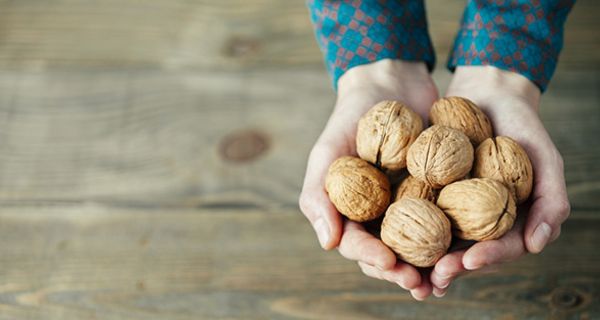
point(564, 210)
point(307, 206)
point(303, 202)
point(370, 271)
point(345, 250)
point(342, 250)
point(556, 234)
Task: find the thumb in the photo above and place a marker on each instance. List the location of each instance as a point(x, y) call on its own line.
point(315, 203)
point(550, 206)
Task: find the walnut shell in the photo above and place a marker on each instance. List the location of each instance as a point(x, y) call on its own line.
point(357, 189)
point(479, 209)
point(440, 156)
point(417, 231)
point(462, 114)
point(414, 188)
point(504, 160)
point(385, 133)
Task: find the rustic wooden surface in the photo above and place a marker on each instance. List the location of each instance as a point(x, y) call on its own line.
point(152, 152)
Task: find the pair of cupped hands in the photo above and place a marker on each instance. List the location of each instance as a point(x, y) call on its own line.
point(511, 102)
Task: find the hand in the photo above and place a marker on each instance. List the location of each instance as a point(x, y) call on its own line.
point(511, 101)
point(358, 90)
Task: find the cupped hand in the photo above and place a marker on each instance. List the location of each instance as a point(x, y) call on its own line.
point(511, 102)
point(358, 90)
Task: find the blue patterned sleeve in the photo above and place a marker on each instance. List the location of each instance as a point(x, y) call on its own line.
point(523, 36)
point(355, 32)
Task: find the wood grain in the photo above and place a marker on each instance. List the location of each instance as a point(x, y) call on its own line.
point(92, 261)
point(152, 138)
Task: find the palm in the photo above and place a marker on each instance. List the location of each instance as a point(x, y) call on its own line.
point(338, 139)
point(518, 119)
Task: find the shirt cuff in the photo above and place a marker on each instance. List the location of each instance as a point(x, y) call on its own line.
point(352, 33)
point(520, 36)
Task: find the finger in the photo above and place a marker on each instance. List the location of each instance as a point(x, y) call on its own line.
point(550, 206)
point(446, 269)
point(323, 216)
point(315, 203)
point(555, 234)
point(507, 248)
point(370, 271)
point(406, 275)
point(402, 274)
point(359, 245)
point(424, 290)
point(439, 292)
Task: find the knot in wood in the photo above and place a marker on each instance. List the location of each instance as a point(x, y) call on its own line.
point(243, 146)
point(566, 298)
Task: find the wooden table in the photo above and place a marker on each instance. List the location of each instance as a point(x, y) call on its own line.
point(152, 152)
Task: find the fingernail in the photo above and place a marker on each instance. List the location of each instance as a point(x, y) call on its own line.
point(439, 293)
point(541, 235)
point(414, 295)
point(443, 278)
point(470, 265)
point(322, 232)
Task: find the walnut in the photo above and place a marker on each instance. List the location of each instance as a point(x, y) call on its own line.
point(479, 209)
point(462, 114)
point(417, 231)
point(384, 134)
point(439, 156)
point(504, 160)
point(414, 188)
point(357, 189)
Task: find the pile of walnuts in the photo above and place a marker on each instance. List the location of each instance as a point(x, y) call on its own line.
point(462, 180)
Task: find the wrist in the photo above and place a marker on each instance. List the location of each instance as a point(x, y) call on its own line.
point(386, 74)
point(485, 84)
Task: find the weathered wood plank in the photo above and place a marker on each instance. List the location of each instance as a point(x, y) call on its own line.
point(132, 137)
point(148, 138)
point(159, 34)
point(89, 261)
point(232, 34)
